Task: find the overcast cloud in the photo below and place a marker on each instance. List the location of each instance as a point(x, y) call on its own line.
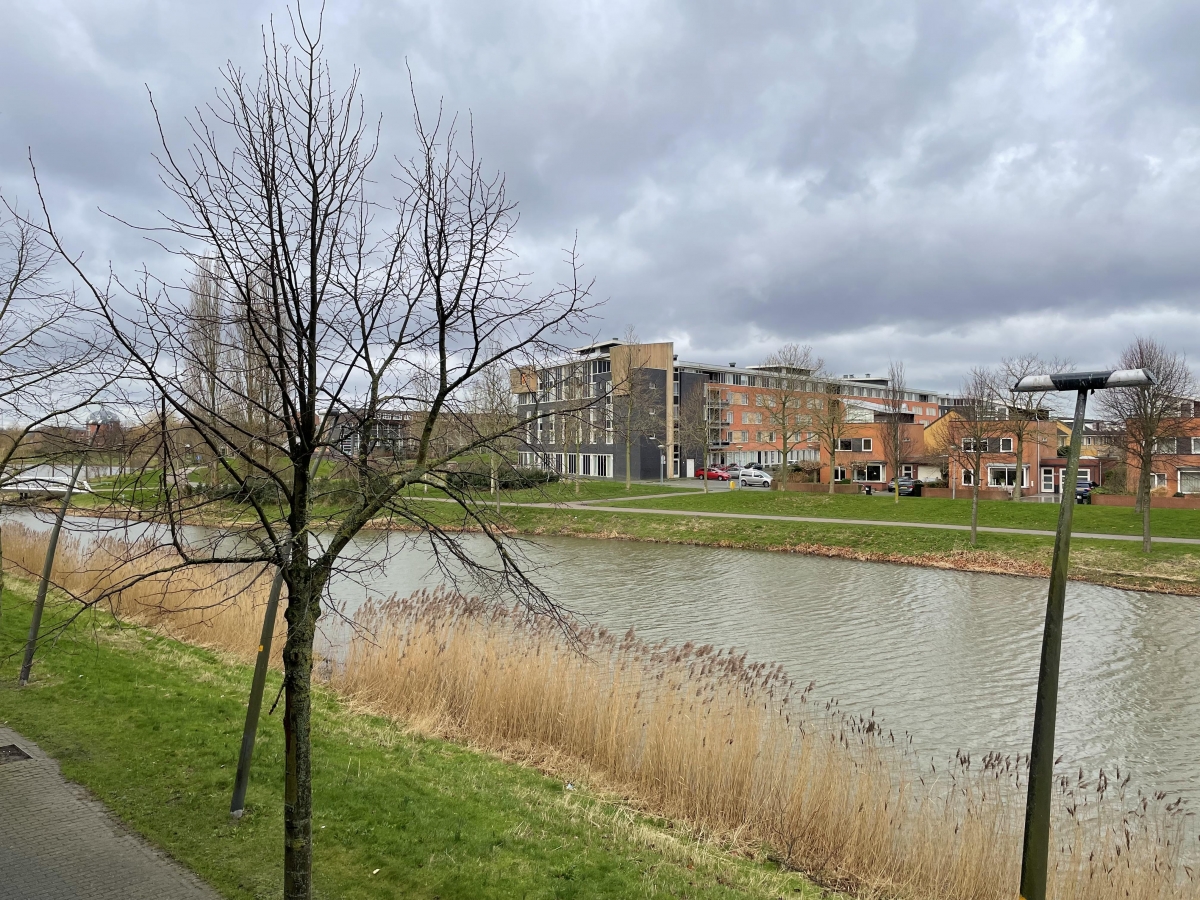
point(943, 182)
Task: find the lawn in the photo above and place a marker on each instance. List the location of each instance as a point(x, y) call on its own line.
point(994, 513)
point(152, 726)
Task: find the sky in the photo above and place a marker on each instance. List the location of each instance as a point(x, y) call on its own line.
point(944, 183)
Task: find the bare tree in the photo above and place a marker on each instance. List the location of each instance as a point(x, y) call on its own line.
point(1025, 409)
point(1150, 416)
point(788, 373)
point(692, 427)
point(351, 313)
point(830, 420)
point(637, 413)
point(894, 396)
point(969, 429)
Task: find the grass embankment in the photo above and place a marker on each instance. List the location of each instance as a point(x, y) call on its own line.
point(152, 726)
point(691, 733)
point(1184, 523)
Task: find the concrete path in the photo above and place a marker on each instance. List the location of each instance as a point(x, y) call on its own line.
point(57, 843)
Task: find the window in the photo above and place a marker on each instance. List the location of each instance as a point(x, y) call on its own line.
point(1196, 445)
point(752, 418)
point(572, 464)
point(1165, 445)
point(1006, 445)
point(764, 400)
point(1158, 479)
point(839, 473)
point(968, 477)
point(855, 445)
point(872, 472)
point(906, 471)
point(586, 460)
point(1006, 476)
point(867, 444)
point(844, 444)
point(1189, 481)
point(765, 437)
point(739, 399)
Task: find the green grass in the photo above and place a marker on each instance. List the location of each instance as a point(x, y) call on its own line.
point(152, 726)
point(1173, 567)
point(994, 513)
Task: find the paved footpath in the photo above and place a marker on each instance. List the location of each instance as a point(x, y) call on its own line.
point(57, 843)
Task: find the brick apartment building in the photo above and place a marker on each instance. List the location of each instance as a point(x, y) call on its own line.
point(737, 403)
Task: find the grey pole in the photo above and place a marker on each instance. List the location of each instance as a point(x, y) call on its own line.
point(39, 604)
point(1036, 852)
point(250, 730)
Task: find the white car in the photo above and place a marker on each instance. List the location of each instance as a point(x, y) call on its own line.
point(754, 478)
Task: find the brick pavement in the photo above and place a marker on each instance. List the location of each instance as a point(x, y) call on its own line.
point(57, 843)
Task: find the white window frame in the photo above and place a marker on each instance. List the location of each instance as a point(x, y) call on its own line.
point(1158, 479)
point(868, 445)
point(1009, 448)
point(906, 470)
point(968, 476)
point(839, 473)
point(1196, 445)
point(1047, 471)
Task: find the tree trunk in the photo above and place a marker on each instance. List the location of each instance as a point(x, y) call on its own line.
point(1, 573)
point(1146, 479)
point(974, 505)
point(302, 611)
point(1016, 494)
point(832, 469)
point(496, 482)
point(783, 468)
point(705, 470)
point(628, 471)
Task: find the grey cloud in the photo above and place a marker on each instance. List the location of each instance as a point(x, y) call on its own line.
point(738, 177)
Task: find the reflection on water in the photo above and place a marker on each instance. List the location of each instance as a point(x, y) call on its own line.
point(950, 657)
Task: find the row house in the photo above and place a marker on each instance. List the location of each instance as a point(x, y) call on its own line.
point(1175, 460)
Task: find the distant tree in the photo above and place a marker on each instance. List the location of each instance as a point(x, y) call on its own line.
point(969, 428)
point(1024, 409)
point(1150, 416)
point(893, 424)
point(692, 428)
point(637, 412)
point(788, 381)
point(830, 419)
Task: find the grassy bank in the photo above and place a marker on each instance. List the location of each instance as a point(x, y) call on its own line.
point(1172, 568)
point(151, 726)
point(1183, 523)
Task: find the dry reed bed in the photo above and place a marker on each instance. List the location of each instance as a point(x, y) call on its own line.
point(733, 748)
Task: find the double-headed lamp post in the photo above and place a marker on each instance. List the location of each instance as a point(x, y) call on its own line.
point(1036, 852)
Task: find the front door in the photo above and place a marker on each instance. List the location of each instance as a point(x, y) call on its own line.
point(1047, 481)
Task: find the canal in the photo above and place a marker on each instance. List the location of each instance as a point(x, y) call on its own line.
point(948, 657)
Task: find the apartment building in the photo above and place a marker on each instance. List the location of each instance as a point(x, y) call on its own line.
point(574, 413)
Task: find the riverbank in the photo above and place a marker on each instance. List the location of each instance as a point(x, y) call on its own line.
point(557, 509)
point(151, 727)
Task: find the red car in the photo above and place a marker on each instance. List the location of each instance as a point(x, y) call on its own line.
point(713, 474)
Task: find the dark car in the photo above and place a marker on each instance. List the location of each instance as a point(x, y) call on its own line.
point(1083, 489)
point(909, 487)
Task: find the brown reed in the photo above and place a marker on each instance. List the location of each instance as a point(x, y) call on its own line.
point(735, 749)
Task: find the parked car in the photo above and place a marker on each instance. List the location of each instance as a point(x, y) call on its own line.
point(909, 487)
point(754, 478)
point(712, 474)
point(1083, 489)
point(732, 469)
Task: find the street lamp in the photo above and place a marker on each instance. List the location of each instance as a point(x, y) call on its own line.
point(662, 460)
point(1036, 851)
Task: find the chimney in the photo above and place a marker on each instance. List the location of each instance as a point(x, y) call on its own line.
point(733, 365)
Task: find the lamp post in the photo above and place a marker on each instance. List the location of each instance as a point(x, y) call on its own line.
point(1036, 850)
